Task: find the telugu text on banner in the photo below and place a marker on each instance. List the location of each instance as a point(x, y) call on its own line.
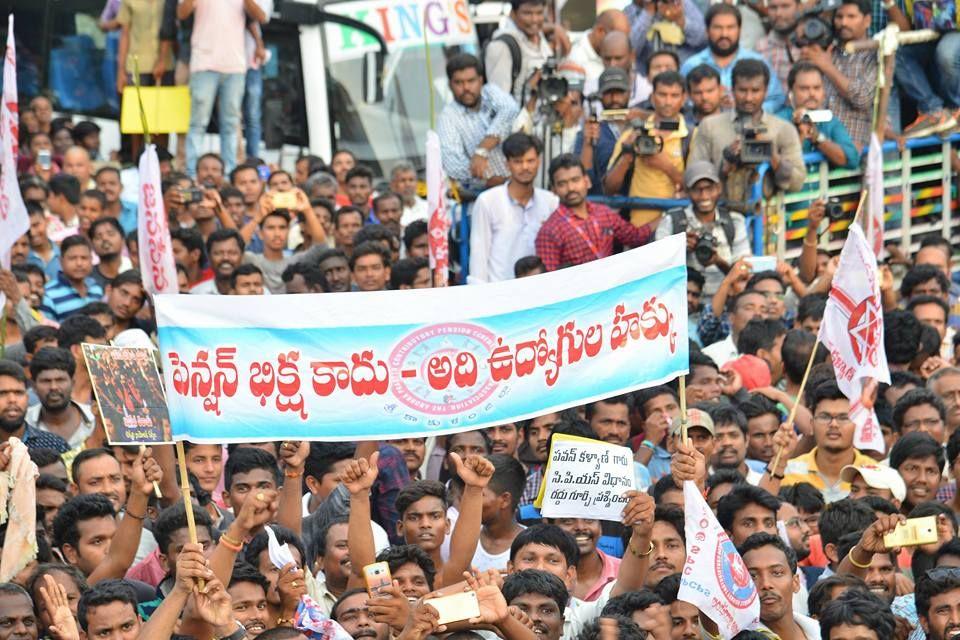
point(352, 366)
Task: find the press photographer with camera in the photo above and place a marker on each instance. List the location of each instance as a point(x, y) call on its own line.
point(738, 141)
point(851, 77)
point(716, 237)
point(776, 47)
point(604, 124)
point(653, 150)
point(818, 129)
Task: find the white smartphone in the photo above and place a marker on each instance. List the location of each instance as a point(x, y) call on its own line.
point(456, 607)
point(761, 263)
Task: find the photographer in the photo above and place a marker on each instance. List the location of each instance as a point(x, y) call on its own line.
point(852, 77)
point(739, 140)
point(818, 129)
point(649, 32)
point(653, 151)
point(776, 47)
point(595, 142)
point(553, 110)
point(716, 238)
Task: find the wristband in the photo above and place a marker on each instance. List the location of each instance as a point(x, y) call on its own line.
point(135, 517)
point(481, 152)
point(854, 562)
point(772, 474)
point(649, 445)
point(293, 474)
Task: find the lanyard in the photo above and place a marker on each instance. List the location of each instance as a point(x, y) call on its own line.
point(585, 237)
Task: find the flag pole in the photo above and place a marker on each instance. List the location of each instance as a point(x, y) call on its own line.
point(796, 403)
point(185, 492)
point(683, 410)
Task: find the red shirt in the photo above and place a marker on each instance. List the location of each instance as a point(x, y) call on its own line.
point(566, 239)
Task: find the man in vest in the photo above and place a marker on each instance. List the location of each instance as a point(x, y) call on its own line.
point(716, 238)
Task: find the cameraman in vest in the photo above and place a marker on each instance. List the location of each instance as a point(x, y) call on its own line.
point(716, 237)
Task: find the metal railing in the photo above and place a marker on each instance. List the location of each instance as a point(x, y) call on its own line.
point(918, 181)
point(920, 198)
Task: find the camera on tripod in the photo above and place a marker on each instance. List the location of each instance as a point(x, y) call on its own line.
point(753, 150)
point(814, 29)
point(553, 87)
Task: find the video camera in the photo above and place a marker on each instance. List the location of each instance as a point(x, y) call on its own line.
point(813, 29)
point(752, 149)
point(553, 87)
point(705, 248)
point(648, 144)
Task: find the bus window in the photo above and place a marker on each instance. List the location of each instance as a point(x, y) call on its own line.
point(284, 107)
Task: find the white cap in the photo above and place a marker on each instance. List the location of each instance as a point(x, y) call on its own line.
point(133, 338)
point(878, 477)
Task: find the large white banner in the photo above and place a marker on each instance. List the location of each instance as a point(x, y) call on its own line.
point(14, 221)
point(350, 366)
point(156, 251)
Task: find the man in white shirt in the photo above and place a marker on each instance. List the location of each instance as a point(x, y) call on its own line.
point(586, 51)
point(403, 182)
point(746, 306)
point(506, 219)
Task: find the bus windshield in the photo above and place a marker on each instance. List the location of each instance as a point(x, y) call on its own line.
point(382, 129)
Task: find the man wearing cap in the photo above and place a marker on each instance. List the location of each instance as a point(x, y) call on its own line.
point(874, 480)
point(595, 142)
point(704, 218)
point(700, 431)
point(660, 174)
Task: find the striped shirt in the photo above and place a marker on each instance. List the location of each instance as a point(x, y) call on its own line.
point(61, 299)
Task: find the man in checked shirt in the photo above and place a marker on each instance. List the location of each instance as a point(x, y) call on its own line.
point(580, 231)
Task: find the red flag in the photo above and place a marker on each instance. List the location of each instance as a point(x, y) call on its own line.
point(438, 224)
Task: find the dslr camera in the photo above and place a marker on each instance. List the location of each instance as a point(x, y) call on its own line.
point(752, 149)
point(813, 28)
point(648, 144)
point(705, 248)
point(834, 209)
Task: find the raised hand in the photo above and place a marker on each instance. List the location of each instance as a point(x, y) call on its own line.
point(493, 606)
point(872, 539)
point(294, 454)
point(639, 512)
point(257, 510)
point(422, 622)
point(475, 471)
point(359, 475)
point(290, 586)
point(192, 566)
point(145, 471)
point(214, 606)
point(63, 625)
point(687, 464)
point(390, 606)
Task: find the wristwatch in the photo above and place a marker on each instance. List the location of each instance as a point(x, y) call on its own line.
point(480, 151)
point(821, 138)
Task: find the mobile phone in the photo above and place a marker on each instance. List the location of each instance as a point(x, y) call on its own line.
point(44, 159)
point(456, 607)
point(913, 532)
point(191, 195)
point(761, 263)
point(377, 576)
point(284, 199)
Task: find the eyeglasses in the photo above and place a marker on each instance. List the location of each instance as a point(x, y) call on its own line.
point(773, 295)
point(826, 418)
point(939, 573)
point(796, 521)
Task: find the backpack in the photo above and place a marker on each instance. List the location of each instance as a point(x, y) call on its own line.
point(678, 219)
point(516, 56)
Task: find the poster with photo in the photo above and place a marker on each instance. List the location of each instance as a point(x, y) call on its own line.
point(129, 393)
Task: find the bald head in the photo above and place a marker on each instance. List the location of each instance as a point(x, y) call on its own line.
point(615, 50)
point(607, 22)
point(76, 162)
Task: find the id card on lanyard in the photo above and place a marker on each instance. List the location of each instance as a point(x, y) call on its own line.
point(586, 237)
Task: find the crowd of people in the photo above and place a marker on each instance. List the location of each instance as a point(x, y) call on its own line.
point(665, 99)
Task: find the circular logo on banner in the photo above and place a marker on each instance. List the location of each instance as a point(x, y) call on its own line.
point(442, 369)
point(732, 575)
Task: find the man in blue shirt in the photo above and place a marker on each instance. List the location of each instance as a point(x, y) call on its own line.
point(595, 142)
point(108, 182)
point(723, 52)
point(830, 138)
point(74, 287)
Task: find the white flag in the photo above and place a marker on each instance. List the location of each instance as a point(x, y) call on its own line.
point(852, 330)
point(438, 222)
point(714, 578)
point(153, 233)
point(14, 221)
point(874, 182)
